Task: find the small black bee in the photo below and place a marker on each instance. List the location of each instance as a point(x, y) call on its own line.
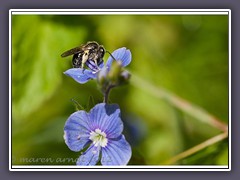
point(84, 54)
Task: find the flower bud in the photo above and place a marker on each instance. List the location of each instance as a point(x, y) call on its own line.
point(124, 77)
point(114, 72)
point(102, 76)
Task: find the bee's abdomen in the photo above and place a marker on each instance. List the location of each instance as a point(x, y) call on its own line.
point(77, 60)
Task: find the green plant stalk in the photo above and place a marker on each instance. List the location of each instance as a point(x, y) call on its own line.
point(106, 94)
point(193, 110)
point(197, 148)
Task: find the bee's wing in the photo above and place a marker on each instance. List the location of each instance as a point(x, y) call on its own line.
point(72, 51)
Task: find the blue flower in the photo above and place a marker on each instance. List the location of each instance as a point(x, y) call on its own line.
point(101, 131)
point(84, 75)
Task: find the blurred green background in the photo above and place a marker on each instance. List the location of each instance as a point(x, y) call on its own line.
point(187, 55)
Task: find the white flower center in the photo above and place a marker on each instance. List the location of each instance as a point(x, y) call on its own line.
point(98, 138)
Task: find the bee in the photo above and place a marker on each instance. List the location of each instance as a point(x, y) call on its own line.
point(86, 54)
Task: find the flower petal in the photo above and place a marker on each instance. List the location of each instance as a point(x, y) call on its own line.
point(80, 75)
point(122, 54)
point(76, 131)
point(90, 157)
point(106, 117)
point(117, 152)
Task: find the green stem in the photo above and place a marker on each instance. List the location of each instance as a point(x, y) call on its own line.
point(191, 109)
point(197, 148)
point(107, 92)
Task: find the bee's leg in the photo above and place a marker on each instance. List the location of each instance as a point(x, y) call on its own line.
point(84, 58)
point(83, 71)
point(95, 61)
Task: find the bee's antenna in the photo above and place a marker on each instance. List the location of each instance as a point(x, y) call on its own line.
point(111, 55)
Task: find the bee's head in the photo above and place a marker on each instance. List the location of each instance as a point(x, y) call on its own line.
point(101, 51)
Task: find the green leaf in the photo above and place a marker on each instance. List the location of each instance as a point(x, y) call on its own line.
point(37, 68)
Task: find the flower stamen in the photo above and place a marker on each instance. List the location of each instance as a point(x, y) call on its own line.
point(99, 138)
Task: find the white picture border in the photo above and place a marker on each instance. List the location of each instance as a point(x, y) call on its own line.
point(117, 12)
